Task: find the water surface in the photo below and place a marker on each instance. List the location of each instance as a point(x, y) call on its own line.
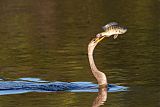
point(48, 40)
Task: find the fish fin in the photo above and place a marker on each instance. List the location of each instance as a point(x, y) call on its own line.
point(115, 36)
point(109, 24)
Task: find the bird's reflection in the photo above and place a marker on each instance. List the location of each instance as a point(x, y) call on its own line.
point(101, 98)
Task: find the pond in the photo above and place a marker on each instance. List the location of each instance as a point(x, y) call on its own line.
point(48, 39)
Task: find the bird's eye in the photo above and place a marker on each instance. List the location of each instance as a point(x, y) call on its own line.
point(93, 39)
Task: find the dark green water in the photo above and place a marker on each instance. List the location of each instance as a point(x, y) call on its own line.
point(48, 39)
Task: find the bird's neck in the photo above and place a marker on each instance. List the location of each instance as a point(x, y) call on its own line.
point(91, 59)
point(100, 76)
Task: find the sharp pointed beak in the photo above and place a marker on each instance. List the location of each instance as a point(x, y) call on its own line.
point(98, 39)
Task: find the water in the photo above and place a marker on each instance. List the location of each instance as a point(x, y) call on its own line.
point(48, 40)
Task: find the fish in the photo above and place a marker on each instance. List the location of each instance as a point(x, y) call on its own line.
point(112, 28)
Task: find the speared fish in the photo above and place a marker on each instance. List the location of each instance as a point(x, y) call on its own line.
point(112, 28)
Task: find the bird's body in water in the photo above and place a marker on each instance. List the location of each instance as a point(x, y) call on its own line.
point(112, 29)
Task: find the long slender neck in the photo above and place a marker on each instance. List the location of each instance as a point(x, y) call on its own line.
point(100, 76)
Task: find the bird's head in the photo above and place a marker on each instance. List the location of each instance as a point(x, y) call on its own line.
point(95, 41)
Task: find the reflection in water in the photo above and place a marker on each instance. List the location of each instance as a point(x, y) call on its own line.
point(48, 39)
point(101, 98)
